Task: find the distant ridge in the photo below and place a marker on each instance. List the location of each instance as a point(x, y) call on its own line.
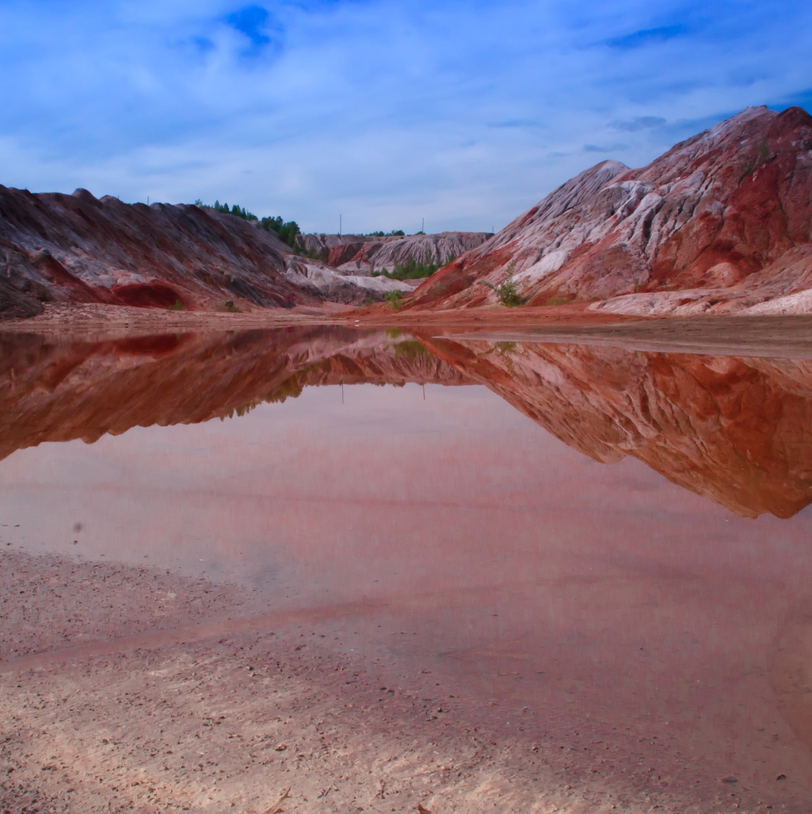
point(363, 253)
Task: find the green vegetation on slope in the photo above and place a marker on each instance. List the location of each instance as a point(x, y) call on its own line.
point(286, 230)
point(223, 209)
point(411, 270)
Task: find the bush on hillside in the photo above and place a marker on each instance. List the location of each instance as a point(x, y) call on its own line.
point(508, 294)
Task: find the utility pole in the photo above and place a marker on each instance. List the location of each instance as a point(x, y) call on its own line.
point(423, 227)
point(340, 225)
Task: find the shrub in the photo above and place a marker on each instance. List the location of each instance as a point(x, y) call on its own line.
point(394, 298)
point(508, 294)
point(178, 306)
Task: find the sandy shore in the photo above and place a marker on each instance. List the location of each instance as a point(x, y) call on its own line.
point(138, 690)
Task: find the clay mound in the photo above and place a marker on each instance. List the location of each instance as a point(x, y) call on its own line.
point(77, 249)
point(725, 216)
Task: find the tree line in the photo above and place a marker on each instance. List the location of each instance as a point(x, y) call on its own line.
point(286, 230)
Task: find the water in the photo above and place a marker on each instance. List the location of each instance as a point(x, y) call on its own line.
point(598, 547)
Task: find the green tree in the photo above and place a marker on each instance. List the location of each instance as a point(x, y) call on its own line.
point(287, 231)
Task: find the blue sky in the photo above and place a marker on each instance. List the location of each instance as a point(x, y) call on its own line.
point(385, 111)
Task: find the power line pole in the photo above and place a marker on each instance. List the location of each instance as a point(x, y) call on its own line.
point(423, 227)
point(340, 224)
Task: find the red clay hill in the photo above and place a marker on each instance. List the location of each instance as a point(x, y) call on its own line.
point(76, 248)
point(721, 222)
point(79, 249)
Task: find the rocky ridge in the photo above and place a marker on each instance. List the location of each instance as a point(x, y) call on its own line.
point(721, 222)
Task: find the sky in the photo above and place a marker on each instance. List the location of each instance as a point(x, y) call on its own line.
point(464, 113)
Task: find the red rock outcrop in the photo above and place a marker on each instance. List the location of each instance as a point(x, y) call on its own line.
point(77, 249)
point(721, 222)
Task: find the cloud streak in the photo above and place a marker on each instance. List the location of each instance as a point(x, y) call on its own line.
point(384, 111)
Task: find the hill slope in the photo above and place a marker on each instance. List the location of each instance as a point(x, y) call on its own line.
point(722, 221)
point(76, 248)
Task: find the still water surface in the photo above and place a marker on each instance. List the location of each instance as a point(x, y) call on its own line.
point(612, 542)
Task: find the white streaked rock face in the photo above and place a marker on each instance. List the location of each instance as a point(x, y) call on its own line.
point(720, 212)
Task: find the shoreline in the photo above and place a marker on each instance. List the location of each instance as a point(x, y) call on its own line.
point(776, 336)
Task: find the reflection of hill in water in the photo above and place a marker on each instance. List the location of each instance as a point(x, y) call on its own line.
point(59, 392)
point(737, 431)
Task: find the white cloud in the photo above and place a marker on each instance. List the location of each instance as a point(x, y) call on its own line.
point(383, 111)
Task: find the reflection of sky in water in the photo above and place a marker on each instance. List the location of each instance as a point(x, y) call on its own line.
point(520, 568)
